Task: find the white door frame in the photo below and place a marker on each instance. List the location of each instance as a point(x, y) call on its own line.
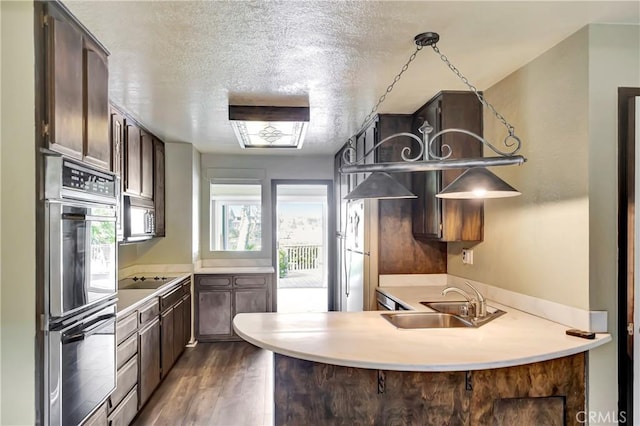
point(636, 269)
point(628, 254)
point(330, 229)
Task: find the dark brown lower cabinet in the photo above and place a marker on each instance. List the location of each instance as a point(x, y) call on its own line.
point(126, 411)
point(166, 326)
point(99, 418)
point(220, 297)
point(150, 339)
point(247, 301)
point(214, 314)
point(173, 319)
point(187, 320)
point(149, 356)
point(549, 392)
point(159, 187)
point(118, 405)
point(126, 350)
point(126, 379)
point(178, 329)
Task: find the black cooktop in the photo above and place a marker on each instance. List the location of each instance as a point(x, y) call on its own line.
point(143, 282)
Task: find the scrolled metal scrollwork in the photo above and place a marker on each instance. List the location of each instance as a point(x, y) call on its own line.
point(446, 148)
point(350, 151)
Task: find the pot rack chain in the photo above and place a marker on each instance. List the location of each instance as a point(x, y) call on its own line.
point(422, 40)
point(350, 150)
point(511, 136)
point(382, 98)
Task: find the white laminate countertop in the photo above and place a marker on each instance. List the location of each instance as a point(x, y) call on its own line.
point(130, 299)
point(366, 340)
point(237, 270)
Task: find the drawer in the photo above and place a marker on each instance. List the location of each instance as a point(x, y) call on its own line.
point(126, 326)
point(99, 418)
point(149, 312)
point(213, 281)
point(250, 281)
point(126, 411)
point(186, 287)
point(126, 379)
point(126, 350)
point(169, 299)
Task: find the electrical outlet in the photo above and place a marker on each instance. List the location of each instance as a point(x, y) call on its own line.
point(467, 256)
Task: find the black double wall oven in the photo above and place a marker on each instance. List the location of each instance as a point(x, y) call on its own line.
point(80, 289)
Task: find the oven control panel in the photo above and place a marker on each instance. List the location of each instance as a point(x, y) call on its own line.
point(80, 178)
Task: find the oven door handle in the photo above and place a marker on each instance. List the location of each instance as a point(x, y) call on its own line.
point(93, 327)
point(83, 217)
point(83, 204)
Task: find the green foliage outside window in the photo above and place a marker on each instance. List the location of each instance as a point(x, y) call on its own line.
point(283, 262)
point(103, 233)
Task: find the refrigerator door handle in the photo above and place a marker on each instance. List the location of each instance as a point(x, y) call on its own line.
point(347, 272)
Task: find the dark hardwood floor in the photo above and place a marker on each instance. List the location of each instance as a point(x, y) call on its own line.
point(227, 384)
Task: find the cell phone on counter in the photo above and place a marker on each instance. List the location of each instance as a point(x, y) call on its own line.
point(581, 333)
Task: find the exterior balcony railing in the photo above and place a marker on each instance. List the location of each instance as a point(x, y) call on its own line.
point(301, 257)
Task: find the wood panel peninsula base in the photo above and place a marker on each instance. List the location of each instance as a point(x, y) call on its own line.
point(543, 393)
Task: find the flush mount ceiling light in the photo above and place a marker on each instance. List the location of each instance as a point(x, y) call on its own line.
point(476, 182)
point(269, 126)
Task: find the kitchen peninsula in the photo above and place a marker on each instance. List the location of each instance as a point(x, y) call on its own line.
point(358, 368)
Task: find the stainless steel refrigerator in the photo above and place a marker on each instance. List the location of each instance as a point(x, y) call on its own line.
point(353, 258)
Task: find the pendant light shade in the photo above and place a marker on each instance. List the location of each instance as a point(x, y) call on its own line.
point(380, 185)
point(478, 182)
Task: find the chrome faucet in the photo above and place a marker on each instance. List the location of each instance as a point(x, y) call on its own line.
point(478, 302)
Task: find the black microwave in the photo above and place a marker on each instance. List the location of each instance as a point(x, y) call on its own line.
point(139, 219)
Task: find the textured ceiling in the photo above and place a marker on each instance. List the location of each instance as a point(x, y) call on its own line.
point(177, 65)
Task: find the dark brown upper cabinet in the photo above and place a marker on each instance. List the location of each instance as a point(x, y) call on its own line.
point(77, 80)
point(138, 161)
point(132, 160)
point(146, 165)
point(378, 128)
point(117, 140)
point(158, 186)
point(97, 145)
point(435, 218)
point(117, 136)
point(141, 157)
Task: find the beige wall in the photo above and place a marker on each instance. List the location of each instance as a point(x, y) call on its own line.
point(177, 246)
point(614, 61)
point(559, 240)
point(17, 215)
point(0, 212)
point(195, 209)
point(270, 167)
point(538, 243)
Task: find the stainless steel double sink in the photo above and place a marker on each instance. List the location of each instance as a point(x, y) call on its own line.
point(446, 315)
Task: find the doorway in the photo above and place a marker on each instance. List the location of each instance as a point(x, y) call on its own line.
point(629, 255)
point(302, 220)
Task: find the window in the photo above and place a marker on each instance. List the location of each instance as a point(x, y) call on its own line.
point(236, 217)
